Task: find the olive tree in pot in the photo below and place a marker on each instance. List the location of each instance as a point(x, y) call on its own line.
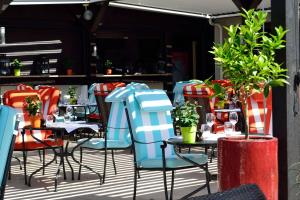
point(247, 58)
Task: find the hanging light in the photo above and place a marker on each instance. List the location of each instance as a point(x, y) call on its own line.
point(88, 14)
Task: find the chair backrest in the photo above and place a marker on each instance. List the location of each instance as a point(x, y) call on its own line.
point(23, 87)
point(50, 97)
point(150, 120)
point(101, 90)
point(178, 91)
point(260, 115)
point(7, 127)
point(16, 99)
point(117, 128)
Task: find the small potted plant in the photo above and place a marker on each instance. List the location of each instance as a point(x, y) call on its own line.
point(68, 66)
point(72, 94)
point(16, 64)
point(108, 67)
point(33, 106)
point(187, 118)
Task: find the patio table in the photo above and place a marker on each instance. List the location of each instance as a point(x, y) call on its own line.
point(209, 140)
point(86, 107)
point(60, 129)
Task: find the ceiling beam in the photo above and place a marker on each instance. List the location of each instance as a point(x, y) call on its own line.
point(100, 16)
point(4, 4)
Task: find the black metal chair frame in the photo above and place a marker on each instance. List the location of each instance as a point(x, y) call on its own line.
point(165, 169)
point(24, 152)
point(103, 108)
point(63, 154)
point(7, 167)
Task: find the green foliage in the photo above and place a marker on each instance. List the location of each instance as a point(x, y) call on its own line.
point(72, 93)
point(16, 64)
point(247, 56)
point(108, 63)
point(33, 105)
point(186, 115)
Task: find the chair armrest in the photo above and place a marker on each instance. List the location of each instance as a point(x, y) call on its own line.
point(139, 142)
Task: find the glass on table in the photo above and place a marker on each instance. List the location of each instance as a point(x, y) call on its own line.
point(228, 128)
point(210, 119)
point(233, 118)
point(205, 130)
point(49, 120)
point(68, 114)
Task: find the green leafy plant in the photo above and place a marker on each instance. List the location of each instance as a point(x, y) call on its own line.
point(16, 64)
point(72, 93)
point(247, 57)
point(186, 115)
point(33, 105)
point(108, 63)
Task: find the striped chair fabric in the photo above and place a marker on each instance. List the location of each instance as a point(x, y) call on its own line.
point(178, 91)
point(117, 132)
point(16, 99)
point(196, 91)
point(7, 127)
point(102, 89)
point(154, 124)
point(257, 112)
point(23, 87)
point(256, 109)
point(50, 97)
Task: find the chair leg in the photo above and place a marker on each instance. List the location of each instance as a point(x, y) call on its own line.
point(25, 160)
point(44, 153)
point(80, 160)
point(105, 161)
point(207, 176)
point(114, 163)
point(63, 162)
point(211, 154)
point(40, 156)
point(135, 183)
point(9, 173)
point(138, 173)
point(172, 185)
point(165, 184)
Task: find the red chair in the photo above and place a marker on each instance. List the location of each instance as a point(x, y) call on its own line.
point(23, 87)
point(25, 142)
point(260, 113)
point(50, 97)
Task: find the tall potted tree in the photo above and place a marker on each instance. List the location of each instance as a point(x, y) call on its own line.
point(247, 58)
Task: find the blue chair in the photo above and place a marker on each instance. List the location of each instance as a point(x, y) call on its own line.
point(116, 136)
point(7, 141)
point(151, 126)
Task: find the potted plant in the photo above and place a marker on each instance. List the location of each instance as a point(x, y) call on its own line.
point(108, 67)
point(72, 94)
point(187, 119)
point(68, 66)
point(33, 106)
point(247, 58)
point(16, 64)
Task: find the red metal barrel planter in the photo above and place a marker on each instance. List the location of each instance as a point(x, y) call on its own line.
point(243, 161)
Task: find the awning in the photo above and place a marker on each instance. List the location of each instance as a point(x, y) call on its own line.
point(193, 8)
point(49, 2)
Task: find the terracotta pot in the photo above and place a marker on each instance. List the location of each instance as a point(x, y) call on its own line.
point(69, 71)
point(35, 121)
point(243, 161)
point(109, 71)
